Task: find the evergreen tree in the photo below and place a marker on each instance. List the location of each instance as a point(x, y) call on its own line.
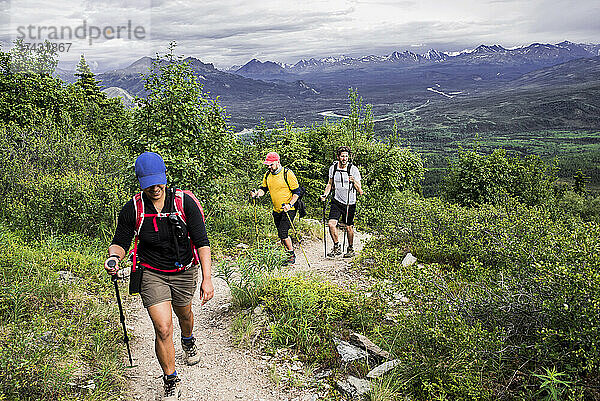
point(87, 82)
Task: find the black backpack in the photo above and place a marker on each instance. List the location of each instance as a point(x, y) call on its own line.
point(336, 169)
point(299, 205)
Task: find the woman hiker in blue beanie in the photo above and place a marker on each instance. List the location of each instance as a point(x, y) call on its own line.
point(170, 243)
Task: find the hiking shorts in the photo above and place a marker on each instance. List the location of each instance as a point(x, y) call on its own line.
point(283, 223)
point(338, 212)
point(179, 288)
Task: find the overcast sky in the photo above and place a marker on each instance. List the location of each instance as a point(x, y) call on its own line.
point(227, 32)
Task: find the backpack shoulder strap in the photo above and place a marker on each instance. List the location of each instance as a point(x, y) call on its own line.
point(179, 207)
point(335, 169)
point(179, 196)
point(138, 205)
point(349, 167)
point(178, 201)
point(285, 172)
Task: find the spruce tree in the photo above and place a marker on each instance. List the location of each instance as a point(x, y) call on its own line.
point(87, 82)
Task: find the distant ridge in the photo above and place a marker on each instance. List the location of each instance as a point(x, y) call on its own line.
point(257, 67)
point(582, 70)
point(114, 91)
point(214, 81)
point(536, 54)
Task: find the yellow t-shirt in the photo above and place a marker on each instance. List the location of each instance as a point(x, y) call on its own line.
point(280, 193)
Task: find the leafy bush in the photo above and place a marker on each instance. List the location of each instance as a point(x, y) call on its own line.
point(475, 179)
point(444, 356)
point(74, 202)
point(516, 292)
point(61, 166)
point(585, 206)
point(59, 182)
point(182, 124)
point(31, 97)
point(513, 236)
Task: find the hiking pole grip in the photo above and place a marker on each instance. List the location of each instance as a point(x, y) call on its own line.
point(112, 263)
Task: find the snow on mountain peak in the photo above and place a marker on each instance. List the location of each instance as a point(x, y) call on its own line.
point(332, 59)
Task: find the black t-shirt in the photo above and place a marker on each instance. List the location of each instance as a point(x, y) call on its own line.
point(156, 246)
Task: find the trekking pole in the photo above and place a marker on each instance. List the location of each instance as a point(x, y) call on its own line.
point(324, 229)
point(298, 239)
point(347, 210)
point(255, 223)
point(112, 263)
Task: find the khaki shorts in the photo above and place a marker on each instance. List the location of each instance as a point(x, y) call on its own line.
point(178, 288)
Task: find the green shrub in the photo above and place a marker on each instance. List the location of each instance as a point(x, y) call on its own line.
point(76, 202)
point(475, 179)
point(570, 203)
point(509, 236)
point(182, 124)
point(60, 182)
point(56, 334)
point(517, 290)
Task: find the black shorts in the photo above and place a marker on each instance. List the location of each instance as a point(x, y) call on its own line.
point(283, 223)
point(338, 210)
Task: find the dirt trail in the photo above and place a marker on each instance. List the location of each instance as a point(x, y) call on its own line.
point(225, 373)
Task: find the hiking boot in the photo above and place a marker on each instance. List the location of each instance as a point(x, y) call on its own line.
point(337, 250)
point(191, 351)
point(290, 260)
point(172, 390)
point(349, 252)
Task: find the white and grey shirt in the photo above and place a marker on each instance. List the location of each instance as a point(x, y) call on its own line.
point(341, 182)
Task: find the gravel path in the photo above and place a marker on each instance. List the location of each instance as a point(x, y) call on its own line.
point(225, 373)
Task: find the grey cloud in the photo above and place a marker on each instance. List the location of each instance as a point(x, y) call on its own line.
point(445, 36)
point(198, 32)
point(503, 1)
point(229, 32)
point(387, 3)
point(243, 25)
point(556, 18)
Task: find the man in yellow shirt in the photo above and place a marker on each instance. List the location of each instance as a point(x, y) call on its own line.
point(284, 189)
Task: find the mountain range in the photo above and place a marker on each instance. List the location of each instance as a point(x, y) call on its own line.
point(302, 91)
point(536, 54)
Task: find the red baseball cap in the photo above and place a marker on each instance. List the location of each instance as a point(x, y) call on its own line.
point(271, 157)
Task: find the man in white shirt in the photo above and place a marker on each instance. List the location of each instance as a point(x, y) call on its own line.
point(344, 177)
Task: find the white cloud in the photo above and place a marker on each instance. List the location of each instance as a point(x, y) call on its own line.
point(227, 32)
